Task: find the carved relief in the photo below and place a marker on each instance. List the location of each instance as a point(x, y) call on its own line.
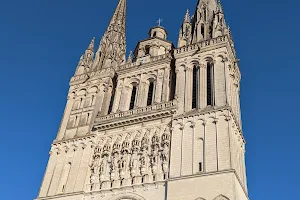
point(140, 157)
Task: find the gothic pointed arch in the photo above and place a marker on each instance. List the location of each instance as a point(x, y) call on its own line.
point(221, 197)
point(129, 196)
point(200, 198)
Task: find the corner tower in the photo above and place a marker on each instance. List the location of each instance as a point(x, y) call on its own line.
point(163, 125)
point(207, 146)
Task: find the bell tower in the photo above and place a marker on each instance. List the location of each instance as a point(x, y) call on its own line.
point(209, 150)
point(165, 124)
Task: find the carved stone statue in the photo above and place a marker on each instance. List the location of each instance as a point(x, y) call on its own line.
point(134, 164)
point(115, 160)
point(105, 163)
point(125, 160)
point(104, 168)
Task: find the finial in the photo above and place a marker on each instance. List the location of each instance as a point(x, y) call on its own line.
point(159, 21)
point(130, 57)
point(219, 6)
point(187, 17)
point(91, 46)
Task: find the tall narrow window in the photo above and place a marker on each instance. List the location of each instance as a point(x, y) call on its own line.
point(209, 84)
point(114, 81)
point(150, 94)
point(172, 82)
point(202, 30)
point(132, 100)
point(200, 167)
point(147, 50)
point(195, 87)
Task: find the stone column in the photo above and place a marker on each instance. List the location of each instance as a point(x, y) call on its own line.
point(65, 120)
point(227, 81)
point(117, 96)
point(49, 172)
point(82, 174)
point(159, 84)
point(123, 97)
point(143, 93)
point(203, 86)
point(198, 87)
point(107, 99)
point(188, 89)
point(75, 167)
point(219, 82)
point(56, 176)
point(180, 88)
point(100, 98)
point(166, 86)
point(126, 96)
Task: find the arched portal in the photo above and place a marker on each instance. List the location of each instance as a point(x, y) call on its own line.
point(129, 196)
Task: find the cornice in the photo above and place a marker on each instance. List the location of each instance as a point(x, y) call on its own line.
point(212, 109)
point(229, 171)
point(73, 140)
point(60, 196)
point(151, 61)
point(139, 115)
point(107, 72)
point(207, 45)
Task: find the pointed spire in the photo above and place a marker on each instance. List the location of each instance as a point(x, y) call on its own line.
point(130, 57)
point(112, 49)
point(92, 44)
point(219, 7)
point(187, 18)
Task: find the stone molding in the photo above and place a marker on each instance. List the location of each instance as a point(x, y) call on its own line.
point(138, 115)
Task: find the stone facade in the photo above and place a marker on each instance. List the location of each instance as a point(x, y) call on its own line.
point(163, 124)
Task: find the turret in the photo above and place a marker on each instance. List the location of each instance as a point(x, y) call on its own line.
point(219, 24)
point(155, 45)
point(86, 60)
point(185, 31)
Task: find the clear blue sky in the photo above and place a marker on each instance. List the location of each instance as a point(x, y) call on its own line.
point(41, 42)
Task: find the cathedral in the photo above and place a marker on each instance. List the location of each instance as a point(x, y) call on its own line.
point(163, 123)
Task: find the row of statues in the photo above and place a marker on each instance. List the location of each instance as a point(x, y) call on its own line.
point(141, 160)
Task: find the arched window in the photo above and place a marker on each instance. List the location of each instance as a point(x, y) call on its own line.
point(195, 87)
point(210, 84)
point(154, 34)
point(150, 93)
point(113, 92)
point(147, 50)
point(202, 30)
point(133, 98)
point(172, 82)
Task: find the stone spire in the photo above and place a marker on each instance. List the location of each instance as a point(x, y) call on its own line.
point(187, 18)
point(92, 44)
point(112, 49)
point(219, 7)
point(203, 18)
point(86, 60)
point(185, 31)
point(219, 23)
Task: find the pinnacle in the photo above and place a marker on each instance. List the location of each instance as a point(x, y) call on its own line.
point(112, 49)
point(187, 17)
point(219, 6)
point(91, 46)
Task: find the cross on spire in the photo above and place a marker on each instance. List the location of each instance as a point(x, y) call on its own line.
point(159, 21)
